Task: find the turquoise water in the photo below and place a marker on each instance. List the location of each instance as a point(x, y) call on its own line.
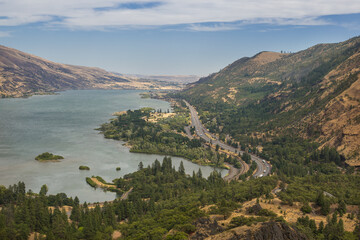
point(64, 124)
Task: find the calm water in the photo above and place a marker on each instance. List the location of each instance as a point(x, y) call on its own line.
point(64, 124)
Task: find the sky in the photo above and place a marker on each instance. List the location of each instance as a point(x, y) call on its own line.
point(171, 37)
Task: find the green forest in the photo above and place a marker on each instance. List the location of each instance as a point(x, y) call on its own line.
point(165, 204)
point(162, 137)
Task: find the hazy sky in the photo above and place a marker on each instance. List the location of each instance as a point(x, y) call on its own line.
point(171, 36)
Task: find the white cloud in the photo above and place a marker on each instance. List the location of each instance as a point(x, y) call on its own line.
point(4, 34)
point(212, 27)
point(95, 14)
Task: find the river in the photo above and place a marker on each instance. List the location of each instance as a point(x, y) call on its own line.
point(65, 124)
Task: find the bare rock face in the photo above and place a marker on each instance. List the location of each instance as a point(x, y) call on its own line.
point(276, 231)
point(205, 228)
point(265, 231)
point(255, 209)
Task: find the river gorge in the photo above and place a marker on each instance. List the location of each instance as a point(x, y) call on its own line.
point(65, 124)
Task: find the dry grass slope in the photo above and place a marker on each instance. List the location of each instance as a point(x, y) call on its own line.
point(23, 74)
point(319, 86)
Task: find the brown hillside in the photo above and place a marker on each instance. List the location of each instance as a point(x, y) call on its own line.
point(315, 92)
point(23, 74)
point(339, 121)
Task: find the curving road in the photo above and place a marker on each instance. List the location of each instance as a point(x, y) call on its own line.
point(263, 167)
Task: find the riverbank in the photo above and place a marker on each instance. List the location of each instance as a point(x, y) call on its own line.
point(64, 125)
point(155, 132)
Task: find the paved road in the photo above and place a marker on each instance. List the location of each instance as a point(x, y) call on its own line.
point(126, 194)
point(263, 167)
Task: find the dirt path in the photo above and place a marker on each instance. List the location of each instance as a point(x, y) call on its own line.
point(233, 172)
point(116, 235)
point(188, 133)
point(102, 185)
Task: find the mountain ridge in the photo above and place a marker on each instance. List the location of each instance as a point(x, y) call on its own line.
point(23, 74)
point(315, 91)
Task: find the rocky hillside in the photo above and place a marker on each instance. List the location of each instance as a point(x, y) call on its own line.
point(211, 230)
point(315, 91)
point(264, 231)
point(22, 74)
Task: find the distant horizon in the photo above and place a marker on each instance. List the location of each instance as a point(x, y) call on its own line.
point(199, 75)
point(168, 37)
point(176, 74)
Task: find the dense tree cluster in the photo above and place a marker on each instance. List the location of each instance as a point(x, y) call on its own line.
point(162, 199)
point(162, 137)
point(333, 230)
point(322, 189)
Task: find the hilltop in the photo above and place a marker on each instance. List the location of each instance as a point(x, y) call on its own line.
point(314, 93)
point(23, 74)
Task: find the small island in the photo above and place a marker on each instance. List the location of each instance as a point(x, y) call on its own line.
point(118, 168)
point(48, 157)
point(84, 168)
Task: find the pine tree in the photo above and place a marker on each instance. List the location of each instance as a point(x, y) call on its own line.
point(357, 230)
point(140, 166)
point(182, 168)
point(325, 208)
point(75, 213)
point(320, 199)
point(199, 174)
point(321, 227)
point(341, 208)
point(340, 227)
point(44, 189)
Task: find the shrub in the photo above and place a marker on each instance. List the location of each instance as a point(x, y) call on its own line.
point(84, 168)
point(46, 156)
point(306, 208)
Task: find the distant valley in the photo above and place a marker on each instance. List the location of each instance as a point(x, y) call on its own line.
point(314, 93)
point(181, 79)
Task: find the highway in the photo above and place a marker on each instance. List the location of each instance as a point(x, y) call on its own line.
point(263, 167)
